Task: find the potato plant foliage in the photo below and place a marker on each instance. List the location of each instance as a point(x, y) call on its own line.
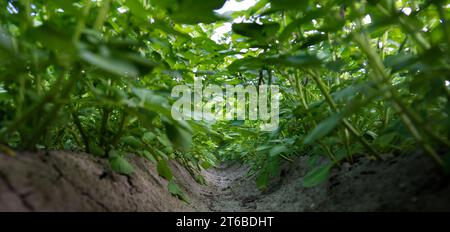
point(358, 79)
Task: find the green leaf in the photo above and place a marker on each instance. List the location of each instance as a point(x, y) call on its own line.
point(336, 65)
point(263, 147)
point(385, 140)
point(262, 180)
point(245, 64)
point(114, 154)
point(323, 128)
point(206, 165)
point(176, 191)
point(6, 44)
point(260, 32)
point(53, 39)
point(97, 150)
point(149, 156)
point(275, 151)
point(164, 170)
point(191, 11)
point(121, 165)
point(289, 4)
point(66, 5)
point(111, 65)
point(273, 166)
point(350, 91)
point(298, 61)
point(317, 176)
point(179, 137)
point(137, 9)
point(312, 40)
point(162, 154)
point(152, 101)
point(270, 169)
point(297, 23)
point(148, 137)
point(132, 142)
point(399, 61)
point(237, 122)
point(164, 140)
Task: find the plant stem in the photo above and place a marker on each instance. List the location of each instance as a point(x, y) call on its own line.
point(305, 105)
point(77, 123)
point(411, 29)
point(102, 14)
point(33, 110)
point(408, 116)
point(441, 11)
point(81, 22)
point(59, 101)
point(347, 124)
point(119, 132)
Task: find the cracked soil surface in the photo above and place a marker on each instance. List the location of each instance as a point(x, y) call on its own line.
point(64, 181)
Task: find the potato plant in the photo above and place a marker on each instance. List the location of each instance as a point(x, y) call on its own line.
point(358, 79)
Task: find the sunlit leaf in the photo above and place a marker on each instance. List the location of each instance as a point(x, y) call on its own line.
point(164, 170)
point(317, 176)
point(121, 165)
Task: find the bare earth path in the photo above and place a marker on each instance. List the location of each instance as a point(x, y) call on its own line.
point(404, 183)
point(225, 190)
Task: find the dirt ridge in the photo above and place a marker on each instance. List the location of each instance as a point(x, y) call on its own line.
point(67, 181)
